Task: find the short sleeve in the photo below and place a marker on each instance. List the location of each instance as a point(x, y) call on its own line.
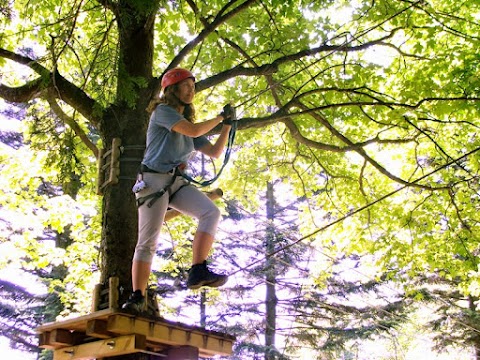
point(200, 142)
point(166, 116)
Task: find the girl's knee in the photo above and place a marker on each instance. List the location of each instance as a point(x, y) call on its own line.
point(209, 220)
point(213, 212)
point(144, 253)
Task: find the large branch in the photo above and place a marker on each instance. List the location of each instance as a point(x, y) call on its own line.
point(63, 89)
point(287, 119)
point(24, 93)
point(208, 29)
point(71, 123)
point(78, 99)
point(24, 60)
point(271, 68)
point(284, 116)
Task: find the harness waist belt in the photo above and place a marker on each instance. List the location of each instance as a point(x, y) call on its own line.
point(145, 168)
point(158, 194)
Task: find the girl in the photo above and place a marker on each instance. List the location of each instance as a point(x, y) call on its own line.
point(171, 137)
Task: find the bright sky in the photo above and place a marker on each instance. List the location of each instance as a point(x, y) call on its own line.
point(10, 354)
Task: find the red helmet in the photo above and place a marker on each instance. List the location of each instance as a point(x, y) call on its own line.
point(174, 76)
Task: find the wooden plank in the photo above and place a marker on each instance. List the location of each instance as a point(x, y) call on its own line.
point(44, 340)
point(115, 161)
point(171, 334)
point(161, 334)
point(183, 353)
point(122, 345)
point(58, 338)
point(98, 329)
point(96, 297)
point(61, 337)
point(100, 173)
point(113, 292)
point(78, 323)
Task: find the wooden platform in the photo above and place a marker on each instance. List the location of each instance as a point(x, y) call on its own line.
point(107, 333)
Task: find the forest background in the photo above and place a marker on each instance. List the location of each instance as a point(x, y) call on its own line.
point(350, 201)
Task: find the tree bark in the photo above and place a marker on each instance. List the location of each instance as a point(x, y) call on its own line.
point(127, 119)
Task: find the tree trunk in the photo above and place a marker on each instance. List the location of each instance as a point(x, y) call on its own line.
point(203, 308)
point(126, 120)
point(271, 297)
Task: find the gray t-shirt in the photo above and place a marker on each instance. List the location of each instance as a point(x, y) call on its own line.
point(167, 149)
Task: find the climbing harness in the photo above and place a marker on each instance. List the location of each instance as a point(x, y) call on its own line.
point(178, 171)
point(140, 184)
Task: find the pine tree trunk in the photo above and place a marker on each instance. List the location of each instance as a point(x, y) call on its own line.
point(203, 308)
point(271, 297)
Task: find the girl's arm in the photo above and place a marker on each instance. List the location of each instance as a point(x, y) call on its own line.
point(216, 149)
point(187, 128)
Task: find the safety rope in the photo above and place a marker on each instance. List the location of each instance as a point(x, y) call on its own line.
point(228, 151)
point(394, 290)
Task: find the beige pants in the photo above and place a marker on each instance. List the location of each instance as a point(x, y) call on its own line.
point(188, 200)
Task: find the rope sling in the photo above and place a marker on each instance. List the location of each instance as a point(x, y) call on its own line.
point(228, 151)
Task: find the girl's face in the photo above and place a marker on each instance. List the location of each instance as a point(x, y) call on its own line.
point(186, 90)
